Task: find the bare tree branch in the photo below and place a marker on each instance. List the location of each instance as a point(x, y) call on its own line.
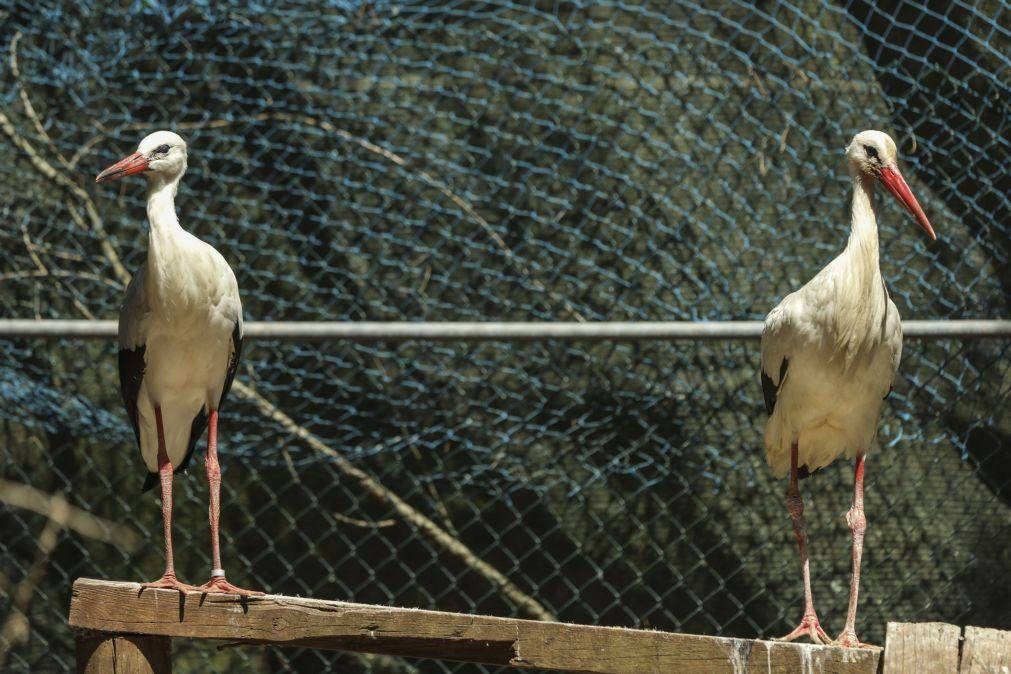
point(15, 628)
point(426, 526)
point(364, 524)
point(31, 248)
point(52, 505)
point(26, 101)
point(48, 171)
point(60, 515)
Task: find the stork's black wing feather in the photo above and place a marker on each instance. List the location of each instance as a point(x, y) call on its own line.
point(131, 374)
point(233, 363)
point(770, 389)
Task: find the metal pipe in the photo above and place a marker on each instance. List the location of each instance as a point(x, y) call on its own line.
point(371, 331)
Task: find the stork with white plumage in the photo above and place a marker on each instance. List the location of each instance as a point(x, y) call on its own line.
point(180, 336)
point(829, 355)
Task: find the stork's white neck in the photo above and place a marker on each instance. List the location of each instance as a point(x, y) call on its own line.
point(858, 294)
point(161, 207)
point(863, 242)
point(166, 253)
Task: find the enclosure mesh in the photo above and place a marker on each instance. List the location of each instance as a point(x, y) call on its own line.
point(511, 161)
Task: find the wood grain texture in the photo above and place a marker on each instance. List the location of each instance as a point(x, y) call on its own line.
point(985, 650)
point(334, 625)
point(921, 648)
point(124, 654)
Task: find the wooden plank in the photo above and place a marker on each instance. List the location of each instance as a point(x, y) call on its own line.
point(335, 625)
point(921, 648)
point(985, 650)
point(123, 654)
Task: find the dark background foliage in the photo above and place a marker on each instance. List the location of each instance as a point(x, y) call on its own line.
point(514, 161)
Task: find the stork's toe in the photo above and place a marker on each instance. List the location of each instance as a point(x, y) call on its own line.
point(220, 585)
point(809, 626)
point(848, 639)
point(169, 582)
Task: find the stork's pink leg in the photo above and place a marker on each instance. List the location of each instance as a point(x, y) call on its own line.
point(809, 624)
point(218, 584)
point(858, 525)
point(168, 579)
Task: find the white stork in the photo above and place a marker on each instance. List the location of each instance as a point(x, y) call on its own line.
point(180, 335)
point(829, 355)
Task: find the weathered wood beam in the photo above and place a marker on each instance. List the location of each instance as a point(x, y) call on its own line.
point(985, 650)
point(921, 648)
point(116, 607)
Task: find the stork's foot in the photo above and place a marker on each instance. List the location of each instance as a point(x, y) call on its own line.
point(170, 582)
point(848, 639)
point(810, 626)
point(220, 585)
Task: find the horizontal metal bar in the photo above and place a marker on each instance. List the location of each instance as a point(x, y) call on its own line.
point(963, 329)
point(371, 331)
point(511, 331)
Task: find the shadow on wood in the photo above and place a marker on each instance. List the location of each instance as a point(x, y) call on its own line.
point(122, 608)
point(123, 654)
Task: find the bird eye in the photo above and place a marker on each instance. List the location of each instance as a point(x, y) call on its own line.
point(161, 149)
point(871, 151)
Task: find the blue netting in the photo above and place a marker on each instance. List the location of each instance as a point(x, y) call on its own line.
point(513, 161)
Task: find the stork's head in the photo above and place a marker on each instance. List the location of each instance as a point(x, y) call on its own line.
point(160, 155)
point(873, 154)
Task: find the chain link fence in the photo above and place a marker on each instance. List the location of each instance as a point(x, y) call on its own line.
point(507, 161)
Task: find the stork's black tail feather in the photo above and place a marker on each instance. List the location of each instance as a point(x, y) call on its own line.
point(150, 481)
point(804, 472)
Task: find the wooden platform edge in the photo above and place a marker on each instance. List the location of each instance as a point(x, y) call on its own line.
point(123, 608)
point(926, 648)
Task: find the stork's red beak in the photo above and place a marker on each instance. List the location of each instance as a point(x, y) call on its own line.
point(135, 163)
point(896, 184)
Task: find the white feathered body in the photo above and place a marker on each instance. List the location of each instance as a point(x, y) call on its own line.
point(841, 339)
point(183, 307)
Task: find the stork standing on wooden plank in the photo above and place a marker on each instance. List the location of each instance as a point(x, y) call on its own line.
point(829, 355)
point(180, 335)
